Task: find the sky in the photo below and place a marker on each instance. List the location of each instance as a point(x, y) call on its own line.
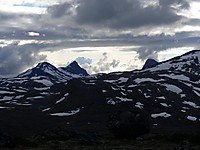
point(101, 35)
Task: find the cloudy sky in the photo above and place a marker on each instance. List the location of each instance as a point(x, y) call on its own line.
point(101, 35)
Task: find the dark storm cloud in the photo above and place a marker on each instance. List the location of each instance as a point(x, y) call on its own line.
point(128, 14)
point(15, 58)
point(151, 45)
point(60, 10)
point(10, 33)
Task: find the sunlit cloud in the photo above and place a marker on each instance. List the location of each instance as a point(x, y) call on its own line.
point(128, 32)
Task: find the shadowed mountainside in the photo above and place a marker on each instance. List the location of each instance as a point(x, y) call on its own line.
point(46, 97)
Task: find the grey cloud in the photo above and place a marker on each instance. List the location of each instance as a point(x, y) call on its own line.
point(15, 58)
point(17, 17)
point(149, 46)
point(192, 22)
point(5, 16)
point(149, 52)
point(128, 14)
point(180, 4)
point(102, 65)
point(152, 45)
point(60, 10)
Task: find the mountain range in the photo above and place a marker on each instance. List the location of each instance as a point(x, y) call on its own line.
point(46, 97)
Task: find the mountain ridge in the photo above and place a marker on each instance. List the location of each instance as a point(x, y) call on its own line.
point(167, 93)
point(47, 69)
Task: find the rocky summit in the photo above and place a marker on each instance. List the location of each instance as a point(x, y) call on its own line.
point(150, 63)
point(45, 97)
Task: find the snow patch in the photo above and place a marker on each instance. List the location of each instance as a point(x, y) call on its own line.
point(7, 98)
point(118, 73)
point(164, 104)
point(67, 94)
point(197, 92)
point(1, 107)
point(21, 104)
point(173, 88)
point(123, 93)
point(114, 88)
point(183, 111)
point(191, 104)
point(123, 99)
point(174, 76)
point(19, 96)
point(60, 100)
point(36, 97)
point(45, 109)
point(146, 95)
point(64, 114)
point(161, 97)
point(44, 82)
point(41, 89)
point(110, 101)
point(110, 81)
point(122, 80)
point(140, 80)
point(163, 114)
point(18, 90)
point(139, 105)
point(6, 92)
point(132, 86)
point(191, 118)
point(182, 95)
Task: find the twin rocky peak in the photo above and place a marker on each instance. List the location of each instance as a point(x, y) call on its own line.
point(47, 69)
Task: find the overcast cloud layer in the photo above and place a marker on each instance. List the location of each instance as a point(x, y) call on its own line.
point(152, 26)
point(129, 14)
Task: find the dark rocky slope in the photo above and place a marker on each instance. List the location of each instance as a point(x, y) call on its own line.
point(167, 94)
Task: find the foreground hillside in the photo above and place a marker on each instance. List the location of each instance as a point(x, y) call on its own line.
point(46, 98)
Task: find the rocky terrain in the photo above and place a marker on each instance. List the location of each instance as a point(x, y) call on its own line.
point(46, 98)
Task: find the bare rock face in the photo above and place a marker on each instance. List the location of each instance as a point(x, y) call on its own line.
point(128, 124)
point(150, 63)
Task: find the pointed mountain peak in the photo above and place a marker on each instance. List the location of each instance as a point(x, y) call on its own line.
point(74, 64)
point(44, 65)
point(42, 69)
point(150, 63)
point(74, 68)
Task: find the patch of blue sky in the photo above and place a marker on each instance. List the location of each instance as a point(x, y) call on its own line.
point(31, 5)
